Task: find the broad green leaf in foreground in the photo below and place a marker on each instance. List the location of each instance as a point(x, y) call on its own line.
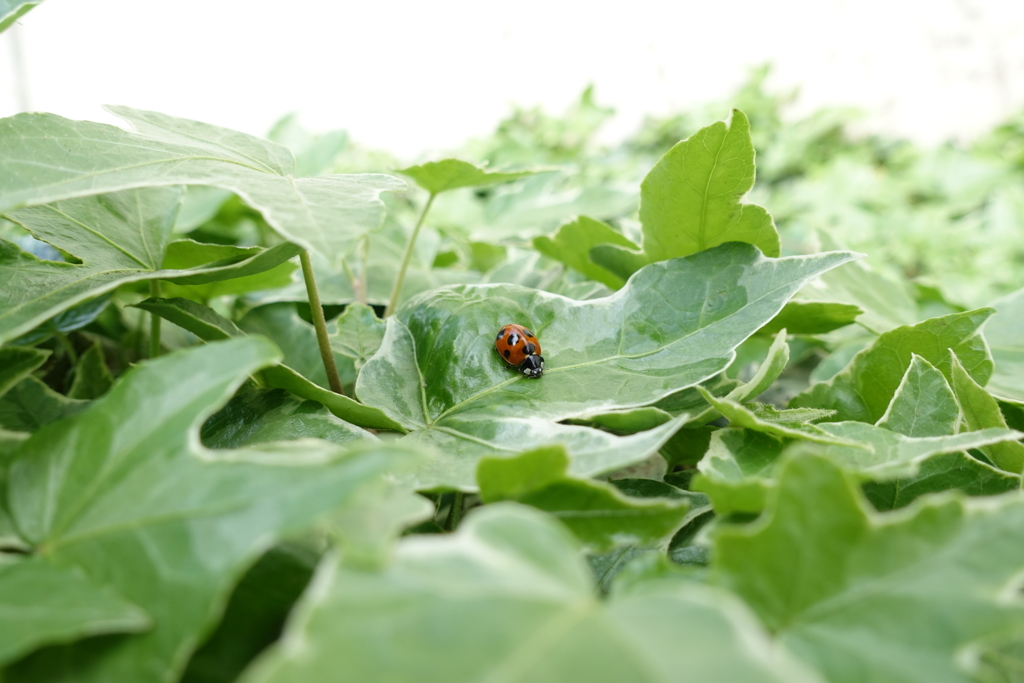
point(508, 598)
point(1005, 336)
point(451, 174)
point(572, 243)
point(596, 512)
point(255, 613)
point(692, 199)
point(45, 158)
point(862, 596)
point(117, 238)
point(125, 492)
point(44, 604)
point(981, 412)
point(865, 388)
point(672, 326)
point(209, 325)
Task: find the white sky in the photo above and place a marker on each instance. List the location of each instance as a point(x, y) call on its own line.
point(409, 76)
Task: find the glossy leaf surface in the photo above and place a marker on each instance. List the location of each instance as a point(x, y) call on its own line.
point(117, 238)
point(514, 603)
point(673, 325)
point(862, 596)
point(45, 158)
point(124, 492)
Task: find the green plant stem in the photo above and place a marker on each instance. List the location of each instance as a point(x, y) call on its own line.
point(154, 321)
point(320, 324)
point(406, 257)
point(455, 511)
point(68, 347)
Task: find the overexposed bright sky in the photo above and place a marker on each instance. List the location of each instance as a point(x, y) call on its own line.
point(413, 76)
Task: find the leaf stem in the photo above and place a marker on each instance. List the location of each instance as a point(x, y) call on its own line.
point(68, 347)
point(320, 323)
point(455, 511)
point(154, 321)
point(406, 257)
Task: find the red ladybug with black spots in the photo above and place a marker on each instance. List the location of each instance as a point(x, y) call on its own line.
point(520, 348)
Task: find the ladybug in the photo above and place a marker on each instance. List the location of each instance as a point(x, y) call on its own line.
point(520, 348)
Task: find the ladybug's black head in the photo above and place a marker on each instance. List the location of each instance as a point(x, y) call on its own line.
point(532, 367)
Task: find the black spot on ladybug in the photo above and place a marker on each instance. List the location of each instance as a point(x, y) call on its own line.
point(507, 353)
point(529, 349)
point(528, 333)
point(513, 339)
point(500, 335)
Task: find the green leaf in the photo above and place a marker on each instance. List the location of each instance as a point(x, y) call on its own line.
point(125, 492)
point(888, 454)
point(255, 416)
point(358, 334)
point(297, 340)
point(117, 238)
point(738, 467)
point(17, 362)
point(981, 412)
point(923, 404)
point(255, 615)
point(12, 10)
point(572, 243)
point(812, 317)
point(514, 602)
point(692, 199)
point(184, 254)
point(45, 158)
point(862, 596)
point(209, 325)
point(737, 470)
point(763, 419)
point(92, 377)
point(596, 512)
point(451, 174)
point(638, 419)
point(864, 389)
point(31, 405)
point(1005, 336)
point(45, 604)
point(673, 325)
point(949, 472)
